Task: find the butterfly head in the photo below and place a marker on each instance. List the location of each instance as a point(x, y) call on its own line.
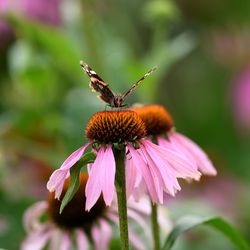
point(118, 101)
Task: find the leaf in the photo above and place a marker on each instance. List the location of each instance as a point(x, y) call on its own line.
point(74, 178)
point(52, 41)
point(189, 222)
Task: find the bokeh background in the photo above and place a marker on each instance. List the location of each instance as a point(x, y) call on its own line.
point(203, 54)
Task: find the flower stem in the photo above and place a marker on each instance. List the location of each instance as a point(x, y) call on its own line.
point(155, 226)
point(120, 180)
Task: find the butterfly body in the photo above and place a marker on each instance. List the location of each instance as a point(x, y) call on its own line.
point(98, 85)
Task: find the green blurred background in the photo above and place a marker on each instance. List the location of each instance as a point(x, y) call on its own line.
point(203, 54)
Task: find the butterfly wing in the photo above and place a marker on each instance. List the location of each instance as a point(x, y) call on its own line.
point(97, 84)
point(135, 85)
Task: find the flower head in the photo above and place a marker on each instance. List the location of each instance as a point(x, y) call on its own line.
point(147, 164)
point(76, 225)
point(115, 127)
point(160, 126)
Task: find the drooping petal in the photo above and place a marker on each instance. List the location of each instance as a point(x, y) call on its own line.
point(93, 187)
point(101, 178)
point(107, 175)
point(172, 146)
point(56, 182)
point(145, 172)
point(32, 215)
point(137, 243)
point(193, 150)
point(131, 175)
point(55, 239)
point(65, 242)
point(101, 235)
point(142, 207)
point(175, 162)
point(58, 177)
point(156, 175)
point(157, 162)
point(37, 239)
point(81, 240)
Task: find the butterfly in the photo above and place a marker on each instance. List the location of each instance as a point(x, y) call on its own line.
point(113, 100)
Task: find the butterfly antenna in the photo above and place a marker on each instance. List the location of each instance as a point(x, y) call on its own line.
point(139, 81)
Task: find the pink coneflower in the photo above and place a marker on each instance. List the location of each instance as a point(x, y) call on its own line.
point(160, 127)
point(75, 226)
point(241, 98)
point(112, 131)
point(46, 11)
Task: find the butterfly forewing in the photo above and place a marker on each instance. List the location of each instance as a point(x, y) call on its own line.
point(97, 84)
point(135, 85)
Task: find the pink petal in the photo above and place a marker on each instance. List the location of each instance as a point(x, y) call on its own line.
point(57, 179)
point(137, 243)
point(93, 187)
point(107, 175)
point(56, 182)
point(65, 242)
point(142, 207)
point(145, 172)
point(102, 235)
point(74, 157)
point(156, 175)
point(37, 239)
point(56, 238)
point(101, 178)
point(140, 189)
point(156, 162)
point(173, 146)
point(81, 240)
point(32, 215)
point(203, 162)
point(175, 162)
point(131, 174)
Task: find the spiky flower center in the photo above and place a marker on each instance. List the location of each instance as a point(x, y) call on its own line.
point(115, 126)
point(156, 118)
point(74, 214)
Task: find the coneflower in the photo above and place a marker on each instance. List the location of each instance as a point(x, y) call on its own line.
point(160, 126)
point(160, 129)
point(116, 137)
point(77, 228)
point(109, 131)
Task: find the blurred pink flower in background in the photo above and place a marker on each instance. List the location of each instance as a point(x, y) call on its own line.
point(45, 11)
point(230, 46)
point(74, 225)
point(241, 98)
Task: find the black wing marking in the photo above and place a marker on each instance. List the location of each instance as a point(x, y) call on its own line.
point(97, 84)
point(135, 85)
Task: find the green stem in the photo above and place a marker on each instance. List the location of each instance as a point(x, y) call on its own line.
point(120, 180)
point(155, 226)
